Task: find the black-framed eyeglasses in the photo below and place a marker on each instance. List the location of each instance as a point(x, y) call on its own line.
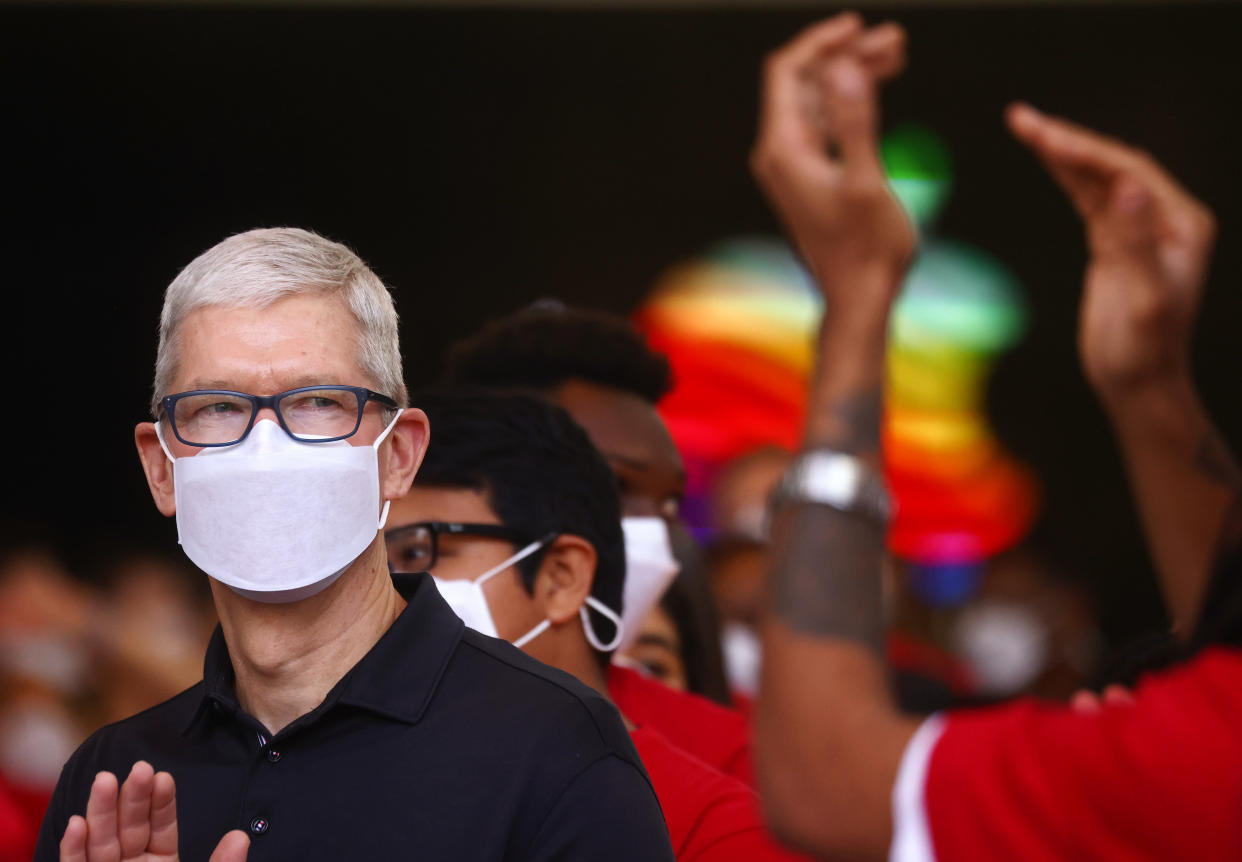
point(415, 547)
point(309, 414)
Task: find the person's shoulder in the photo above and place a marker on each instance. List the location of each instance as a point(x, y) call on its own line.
point(501, 682)
point(154, 735)
point(711, 732)
point(674, 770)
point(649, 694)
point(710, 815)
point(152, 729)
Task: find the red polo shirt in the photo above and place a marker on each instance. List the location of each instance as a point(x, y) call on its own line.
point(1158, 779)
point(718, 736)
point(711, 817)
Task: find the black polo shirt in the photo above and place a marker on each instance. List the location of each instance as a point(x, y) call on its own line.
point(440, 744)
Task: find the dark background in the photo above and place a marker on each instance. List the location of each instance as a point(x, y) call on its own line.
point(481, 159)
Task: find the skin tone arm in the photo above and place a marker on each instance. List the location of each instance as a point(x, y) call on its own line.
point(830, 741)
point(138, 822)
point(1150, 244)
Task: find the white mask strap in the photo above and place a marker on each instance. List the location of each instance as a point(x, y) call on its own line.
point(516, 558)
point(532, 634)
point(590, 631)
point(159, 435)
point(384, 433)
point(378, 440)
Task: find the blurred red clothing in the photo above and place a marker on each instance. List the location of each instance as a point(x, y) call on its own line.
point(1157, 779)
point(716, 735)
point(18, 826)
point(711, 817)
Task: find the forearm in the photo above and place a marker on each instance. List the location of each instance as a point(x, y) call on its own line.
point(828, 734)
point(1186, 484)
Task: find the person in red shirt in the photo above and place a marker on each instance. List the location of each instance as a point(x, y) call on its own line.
point(1156, 775)
point(515, 516)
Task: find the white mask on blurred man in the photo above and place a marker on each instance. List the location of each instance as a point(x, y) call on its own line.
point(649, 568)
point(743, 656)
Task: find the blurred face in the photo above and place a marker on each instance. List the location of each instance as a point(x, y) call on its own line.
point(632, 437)
point(658, 650)
point(514, 611)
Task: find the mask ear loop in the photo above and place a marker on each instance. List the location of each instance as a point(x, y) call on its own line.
point(608, 612)
point(159, 435)
point(532, 634)
point(516, 558)
point(383, 518)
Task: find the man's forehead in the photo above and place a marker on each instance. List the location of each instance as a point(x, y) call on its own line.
point(621, 424)
point(441, 503)
point(295, 341)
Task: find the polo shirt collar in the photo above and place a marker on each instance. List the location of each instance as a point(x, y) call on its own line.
point(397, 678)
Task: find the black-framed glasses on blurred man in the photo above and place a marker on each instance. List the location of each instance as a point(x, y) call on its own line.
point(309, 414)
point(415, 547)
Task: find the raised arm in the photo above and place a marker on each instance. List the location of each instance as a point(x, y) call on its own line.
point(828, 735)
point(1150, 244)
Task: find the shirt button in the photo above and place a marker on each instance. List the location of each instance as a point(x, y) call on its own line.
point(259, 825)
point(273, 755)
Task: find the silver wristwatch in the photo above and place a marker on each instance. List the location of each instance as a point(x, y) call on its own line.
point(843, 482)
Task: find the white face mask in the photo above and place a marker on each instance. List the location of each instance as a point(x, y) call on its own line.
point(276, 520)
point(468, 601)
point(649, 568)
point(1005, 643)
point(743, 656)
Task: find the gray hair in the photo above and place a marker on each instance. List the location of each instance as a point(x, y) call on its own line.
point(259, 267)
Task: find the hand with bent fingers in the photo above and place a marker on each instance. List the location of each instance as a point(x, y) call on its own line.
point(1150, 243)
point(137, 822)
point(817, 159)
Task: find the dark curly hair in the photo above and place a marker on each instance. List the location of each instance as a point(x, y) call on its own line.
point(549, 344)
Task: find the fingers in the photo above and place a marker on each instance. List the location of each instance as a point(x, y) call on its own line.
point(233, 847)
point(163, 840)
point(882, 50)
point(1084, 161)
point(784, 123)
point(1118, 695)
point(1089, 702)
point(1085, 701)
point(73, 843)
point(819, 94)
point(817, 40)
point(102, 843)
point(1067, 142)
point(850, 101)
point(134, 810)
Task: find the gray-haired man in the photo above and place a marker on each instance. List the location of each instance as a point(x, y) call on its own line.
point(338, 717)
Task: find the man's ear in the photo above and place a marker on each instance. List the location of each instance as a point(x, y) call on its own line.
point(158, 468)
point(565, 577)
point(402, 452)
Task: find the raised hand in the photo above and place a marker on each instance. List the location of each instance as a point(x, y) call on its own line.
point(816, 158)
point(138, 821)
point(1150, 243)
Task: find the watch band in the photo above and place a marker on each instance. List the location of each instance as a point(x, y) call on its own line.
point(842, 482)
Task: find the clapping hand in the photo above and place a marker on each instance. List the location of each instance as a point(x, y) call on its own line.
point(138, 821)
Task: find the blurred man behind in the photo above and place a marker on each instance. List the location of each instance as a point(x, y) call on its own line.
point(597, 367)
